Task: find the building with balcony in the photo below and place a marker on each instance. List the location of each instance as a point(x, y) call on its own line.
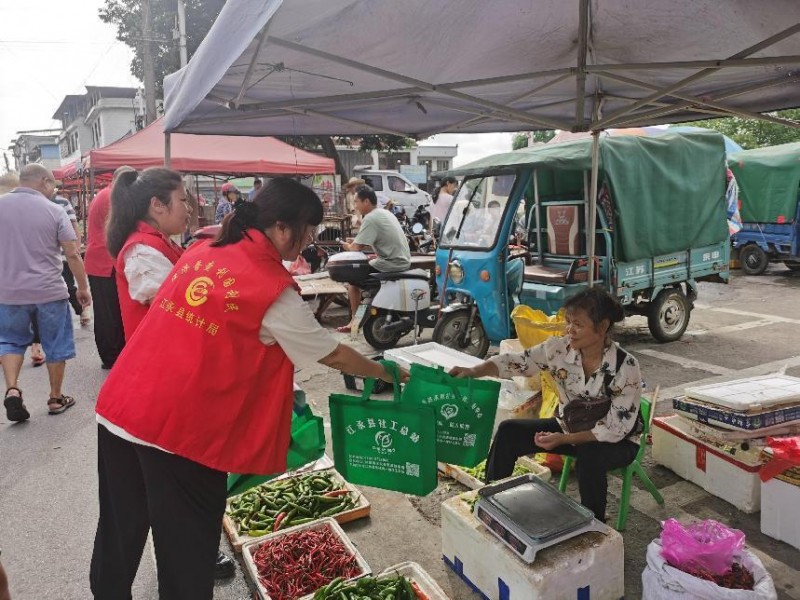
point(95, 119)
point(40, 146)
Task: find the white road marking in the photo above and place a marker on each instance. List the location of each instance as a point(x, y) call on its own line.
point(746, 313)
point(686, 362)
point(733, 328)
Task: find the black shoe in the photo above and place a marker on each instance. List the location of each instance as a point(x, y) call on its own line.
point(225, 567)
point(106, 366)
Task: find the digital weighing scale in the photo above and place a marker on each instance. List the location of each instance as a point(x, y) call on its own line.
point(529, 515)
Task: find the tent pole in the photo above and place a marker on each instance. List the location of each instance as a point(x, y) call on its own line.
point(538, 210)
point(593, 203)
point(167, 150)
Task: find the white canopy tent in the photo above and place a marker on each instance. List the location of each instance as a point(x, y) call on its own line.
point(349, 67)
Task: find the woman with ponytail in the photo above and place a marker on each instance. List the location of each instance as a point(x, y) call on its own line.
point(146, 209)
point(599, 387)
point(442, 199)
point(205, 388)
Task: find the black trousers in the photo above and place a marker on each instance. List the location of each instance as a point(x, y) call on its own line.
point(69, 279)
point(144, 488)
point(109, 337)
point(514, 438)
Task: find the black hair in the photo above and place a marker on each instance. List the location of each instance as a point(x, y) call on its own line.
point(444, 181)
point(366, 193)
point(598, 305)
point(281, 200)
point(130, 201)
point(257, 180)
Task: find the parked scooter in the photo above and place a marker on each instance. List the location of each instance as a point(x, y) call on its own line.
point(393, 304)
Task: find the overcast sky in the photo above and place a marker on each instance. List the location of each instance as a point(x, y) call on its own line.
point(51, 48)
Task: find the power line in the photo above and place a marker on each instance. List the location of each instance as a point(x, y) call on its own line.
point(36, 42)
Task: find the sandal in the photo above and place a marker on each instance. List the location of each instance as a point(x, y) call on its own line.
point(15, 408)
point(344, 329)
point(57, 406)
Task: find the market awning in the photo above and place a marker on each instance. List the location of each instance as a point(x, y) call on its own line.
point(298, 67)
point(209, 154)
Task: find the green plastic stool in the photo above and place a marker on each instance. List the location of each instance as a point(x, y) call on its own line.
point(627, 472)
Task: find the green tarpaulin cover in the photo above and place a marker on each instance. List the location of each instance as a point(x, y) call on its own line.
point(668, 191)
point(768, 181)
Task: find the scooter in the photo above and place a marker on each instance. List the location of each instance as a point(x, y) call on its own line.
point(392, 305)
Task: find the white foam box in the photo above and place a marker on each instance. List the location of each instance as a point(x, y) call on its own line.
point(779, 502)
point(732, 478)
point(587, 567)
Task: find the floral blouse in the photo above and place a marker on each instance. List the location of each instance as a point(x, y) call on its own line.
point(565, 366)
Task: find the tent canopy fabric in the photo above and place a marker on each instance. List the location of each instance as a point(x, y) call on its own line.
point(209, 154)
point(668, 190)
point(769, 182)
point(341, 67)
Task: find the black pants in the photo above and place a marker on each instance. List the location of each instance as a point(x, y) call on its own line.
point(514, 438)
point(69, 279)
point(143, 488)
point(109, 337)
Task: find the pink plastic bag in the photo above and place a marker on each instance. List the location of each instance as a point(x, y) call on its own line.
point(705, 544)
point(300, 266)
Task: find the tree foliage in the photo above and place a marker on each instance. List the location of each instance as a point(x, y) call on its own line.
point(127, 16)
point(755, 133)
point(520, 140)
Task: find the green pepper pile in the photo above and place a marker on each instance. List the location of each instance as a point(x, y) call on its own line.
point(371, 588)
point(280, 504)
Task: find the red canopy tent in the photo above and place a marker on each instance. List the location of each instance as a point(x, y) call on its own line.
point(208, 154)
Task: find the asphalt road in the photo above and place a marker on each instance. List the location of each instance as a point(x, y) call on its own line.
point(48, 482)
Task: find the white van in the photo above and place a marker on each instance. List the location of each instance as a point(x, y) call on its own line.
point(396, 186)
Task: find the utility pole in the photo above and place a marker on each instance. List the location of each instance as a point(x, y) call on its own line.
point(182, 32)
point(147, 64)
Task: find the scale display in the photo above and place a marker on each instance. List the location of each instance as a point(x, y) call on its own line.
point(528, 515)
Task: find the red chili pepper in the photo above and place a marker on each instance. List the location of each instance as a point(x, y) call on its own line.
point(278, 520)
point(418, 591)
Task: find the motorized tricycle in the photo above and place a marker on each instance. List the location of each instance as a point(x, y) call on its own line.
point(516, 233)
point(769, 182)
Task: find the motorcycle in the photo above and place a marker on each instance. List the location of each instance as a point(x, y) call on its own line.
point(393, 304)
point(417, 234)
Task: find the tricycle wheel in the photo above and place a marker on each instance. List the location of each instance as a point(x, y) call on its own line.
point(792, 265)
point(451, 331)
point(754, 259)
point(376, 336)
point(669, 315)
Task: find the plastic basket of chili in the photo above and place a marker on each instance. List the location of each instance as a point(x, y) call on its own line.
point(306, 490)
point(293, 563)
point(417, 575)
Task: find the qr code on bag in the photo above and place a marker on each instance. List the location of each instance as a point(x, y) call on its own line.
point(469, 440)
point(412, 470)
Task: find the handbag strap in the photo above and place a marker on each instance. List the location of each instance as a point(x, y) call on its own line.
point(391, 368)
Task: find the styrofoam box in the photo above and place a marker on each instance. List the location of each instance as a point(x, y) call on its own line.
point(590, 565)
point(734, 479)
point(779, 502)
point(249, 549)
point(411, 570)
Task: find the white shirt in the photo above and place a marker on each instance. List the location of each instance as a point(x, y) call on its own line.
point(442, 205)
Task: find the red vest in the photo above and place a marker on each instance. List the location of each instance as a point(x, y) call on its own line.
point(132, 311)
point(196, 380)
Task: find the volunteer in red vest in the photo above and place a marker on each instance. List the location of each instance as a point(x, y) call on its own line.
point(146, 209)
point(205, 388)
point(108, 333)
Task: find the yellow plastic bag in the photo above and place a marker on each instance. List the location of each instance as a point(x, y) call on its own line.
point(534, 327)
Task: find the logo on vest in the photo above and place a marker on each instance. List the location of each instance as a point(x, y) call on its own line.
point(197, 291)
point(384, 439)
point(449, 411)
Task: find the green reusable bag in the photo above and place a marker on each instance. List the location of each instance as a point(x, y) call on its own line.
point(384, 444)
point(465, 410)
point(307, 444)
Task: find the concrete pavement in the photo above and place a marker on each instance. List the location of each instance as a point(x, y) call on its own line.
point(48, 482)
